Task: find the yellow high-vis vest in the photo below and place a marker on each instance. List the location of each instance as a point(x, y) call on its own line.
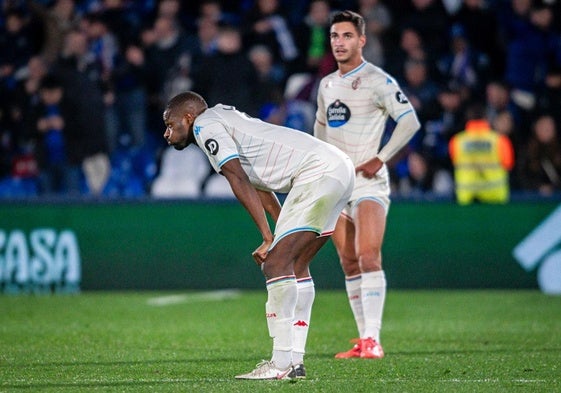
point(478, 172)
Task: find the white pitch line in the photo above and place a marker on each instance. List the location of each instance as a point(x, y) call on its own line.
point(195, 297)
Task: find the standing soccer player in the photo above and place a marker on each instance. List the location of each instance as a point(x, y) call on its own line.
point(259, 159)
point(354, 104)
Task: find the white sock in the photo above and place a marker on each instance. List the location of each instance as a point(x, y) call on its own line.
point(281, 302)
point(352, 284)
point(373, 296)
point(302, 316)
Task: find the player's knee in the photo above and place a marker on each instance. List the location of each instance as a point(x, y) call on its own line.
point(350, 265)
point(276, 268)
point(370, 260)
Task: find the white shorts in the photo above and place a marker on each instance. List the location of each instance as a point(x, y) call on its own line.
point(376, 189)
point(316, 206)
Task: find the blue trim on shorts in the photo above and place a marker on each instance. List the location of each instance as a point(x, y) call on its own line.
point(300, 229)
point(374, 199)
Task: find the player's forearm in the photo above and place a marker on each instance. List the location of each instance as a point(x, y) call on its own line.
point(270, 203)
point(248, 197)
point(406, 127)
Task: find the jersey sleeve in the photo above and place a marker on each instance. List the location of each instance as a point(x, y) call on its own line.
point(216, 143)
point(390, 97)
point(392, 100)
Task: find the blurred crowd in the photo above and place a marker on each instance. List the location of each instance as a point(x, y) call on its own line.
point(83, 84)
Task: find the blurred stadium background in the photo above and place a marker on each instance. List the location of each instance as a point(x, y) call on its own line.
point(122, 216)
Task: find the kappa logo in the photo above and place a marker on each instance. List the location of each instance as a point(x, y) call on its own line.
point(400, 97)
point(338, 114)
point(212, 146)
point(301, 323)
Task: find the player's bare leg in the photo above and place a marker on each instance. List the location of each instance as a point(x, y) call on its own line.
point(370, 225)
point(359, 245)
point(344, 240)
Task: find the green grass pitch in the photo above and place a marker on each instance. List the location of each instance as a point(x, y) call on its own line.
point(435, 341)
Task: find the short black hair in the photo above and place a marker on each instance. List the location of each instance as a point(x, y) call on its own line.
point(190, 101)
point(350, 16)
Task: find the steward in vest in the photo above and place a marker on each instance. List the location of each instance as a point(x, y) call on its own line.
point(482, 159)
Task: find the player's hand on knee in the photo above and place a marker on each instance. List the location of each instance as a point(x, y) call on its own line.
point(261, 252)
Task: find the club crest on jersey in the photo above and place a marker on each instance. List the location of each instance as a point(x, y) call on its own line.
point(356, 83)
point(400, 97)
point(212, 146)
point(338, 114)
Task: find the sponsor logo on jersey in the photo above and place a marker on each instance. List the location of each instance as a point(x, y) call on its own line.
point(400, 97)
point(212, 146)
point(338, 114)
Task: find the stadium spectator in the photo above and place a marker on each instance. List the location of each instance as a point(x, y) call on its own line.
point(318, 180)
point(431, 20)
point(482, 160)
point(128, 126)
point(312, 37)
point(17, 44)
point(206, 38)
point(497, 99)
point(121, 17)
point(410, 46)
point(532, 48)
point(18, 107)
point(424, 180)
point(265, 24)
point(378, 21)
point(85, 136)
point(103, 48)
point(481, 26)
point(462, 65)
point(540, 160)
point(270, 78)
point(421, 91)
point(215, 80)
point(214, 10)
point(57, 19)
point(165, 45)
point(51, 119)
point(438, 131)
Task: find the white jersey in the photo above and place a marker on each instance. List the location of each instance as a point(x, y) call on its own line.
point(275, 158)
point(353, 109)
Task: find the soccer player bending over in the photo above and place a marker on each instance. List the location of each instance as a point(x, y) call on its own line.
point(259, 159)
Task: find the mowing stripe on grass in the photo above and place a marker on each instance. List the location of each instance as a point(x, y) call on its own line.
point(210, 296)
